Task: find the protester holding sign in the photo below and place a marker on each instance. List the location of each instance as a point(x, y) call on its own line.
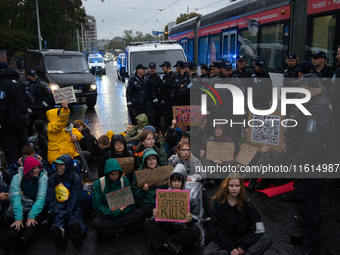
point(118, 149)
point(236, 226)
point(146, 197)
point(64, 194)
point(108, 221)
point(173, 235)
point(30, 185)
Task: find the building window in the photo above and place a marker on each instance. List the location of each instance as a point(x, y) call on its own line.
point(203, 51)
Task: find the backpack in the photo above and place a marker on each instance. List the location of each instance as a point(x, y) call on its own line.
point(102, 183)
point(86, 202)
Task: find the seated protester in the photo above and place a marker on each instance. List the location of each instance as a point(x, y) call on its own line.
point(41, 146)
point(174, 134)
point(191, 163)
point(235, 226)
point(4, 202)
point(127, 130)
point(145, 197)
point(219, 136)
point(173, 236)
point(185, 137)
point(147, 140)
point(103, 144)
point(133, 135)
point(27, 151)
point(64, 193)
point(29, 185)
point(109, 134)
point(88, 142)
point(118, 149)
point(108, 221)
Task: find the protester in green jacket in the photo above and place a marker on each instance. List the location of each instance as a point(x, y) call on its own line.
point(145, 197)
point(133, 134)
point(108, 221)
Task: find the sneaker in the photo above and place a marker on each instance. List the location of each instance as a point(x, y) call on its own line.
point(77, 233)
point(58, 235)
point(174, 248)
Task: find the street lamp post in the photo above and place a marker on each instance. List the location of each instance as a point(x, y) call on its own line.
point(39, 34)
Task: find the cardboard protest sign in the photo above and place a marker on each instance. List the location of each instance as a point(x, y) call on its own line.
point(266, 130)
point(172, 205)
point(127, 164)
point(120, 198)
point(188, 115)
point(154, 177)
point(246, 154)
point(62, 94)
point(220, 151)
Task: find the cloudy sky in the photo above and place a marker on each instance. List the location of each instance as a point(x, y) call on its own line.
point(113, 16)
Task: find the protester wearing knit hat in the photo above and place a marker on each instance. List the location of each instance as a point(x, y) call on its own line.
point(29, 185)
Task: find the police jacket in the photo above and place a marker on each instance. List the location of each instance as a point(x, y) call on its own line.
point(150, 93)
point(134, 92)
point(41, 93)
point(262, 90)
point(180, 82)
point(231, 229)
point(14, 101)
point(308, 142)
point(61, 207)
point(326, 75)
point(245, 73)
point(157, 81)
point(168, 83)
point(289, 74)
point(183, 92)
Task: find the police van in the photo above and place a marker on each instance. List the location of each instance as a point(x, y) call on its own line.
point(59, 69)
point(146, 52)
point(121, 66)
point(97, 64)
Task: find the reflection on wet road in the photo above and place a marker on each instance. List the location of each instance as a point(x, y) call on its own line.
point(110, 112)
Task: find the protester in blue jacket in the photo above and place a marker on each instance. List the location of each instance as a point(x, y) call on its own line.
point(64, 193)
point(27, 197)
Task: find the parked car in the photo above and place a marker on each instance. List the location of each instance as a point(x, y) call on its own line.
point(121, 66)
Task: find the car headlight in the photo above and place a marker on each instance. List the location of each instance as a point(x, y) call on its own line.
point(93, 87)
point(103, 66)
point(54, 86)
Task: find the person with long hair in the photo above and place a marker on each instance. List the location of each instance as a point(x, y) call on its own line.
point(236, 227)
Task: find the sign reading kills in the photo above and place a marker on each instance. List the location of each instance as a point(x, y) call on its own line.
point(172, 205)
point(154, 177)
point(188, 115)
point(62, 94)
point(120, 198)
point(220, 151)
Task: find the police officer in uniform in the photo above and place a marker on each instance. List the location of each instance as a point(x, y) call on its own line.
point(290, 72)
point(322, 70)
point(184, 90)
point(309, 143)
point(182, 78)
point(134, 93)
point(242, 71)
point(156, 81)
point(43, 98)
point(14, 113)
point(168, 83)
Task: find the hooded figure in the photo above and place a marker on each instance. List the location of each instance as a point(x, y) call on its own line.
point(108, 221)
point(173, 235)
point(112, 153)
point(65, 190)
point(27, 197)
point(133, 134)
point(145, 197)
point(59, 140)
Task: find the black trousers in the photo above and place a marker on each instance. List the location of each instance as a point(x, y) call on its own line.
point(206, 206)
point(27, 232)
point(108, 225)
point(160, 232)
point(12, 142)
point(147, 208)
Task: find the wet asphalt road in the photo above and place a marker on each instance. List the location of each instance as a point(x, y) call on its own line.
point(280, 218)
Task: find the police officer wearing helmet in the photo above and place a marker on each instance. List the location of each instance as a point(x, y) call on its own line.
point(322, 70)
point(290, 73)
point(43, 98)
point(168, 83)
point(134, 92)
point(14, 113)
point(309, 143)
point(242, 71)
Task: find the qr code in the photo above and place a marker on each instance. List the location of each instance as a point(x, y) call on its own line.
point(266, 129)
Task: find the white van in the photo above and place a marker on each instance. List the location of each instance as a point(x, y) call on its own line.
point(97, 64)
point(158, 52)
